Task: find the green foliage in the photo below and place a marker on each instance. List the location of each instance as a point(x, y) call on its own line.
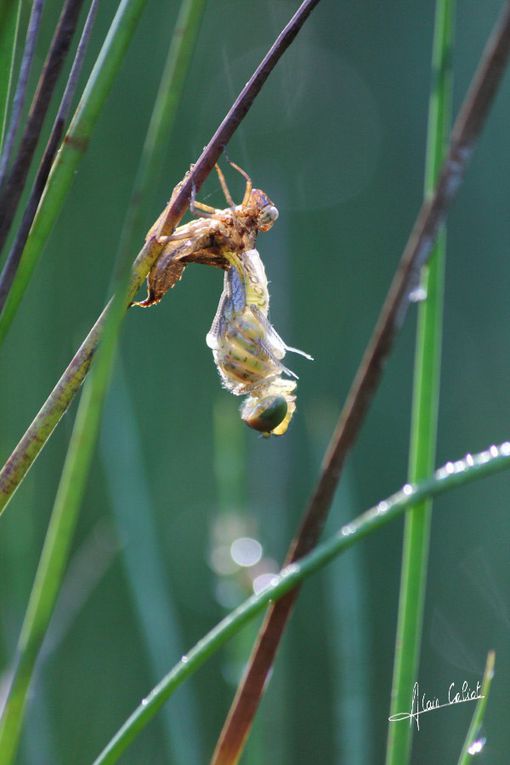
point(337, 140)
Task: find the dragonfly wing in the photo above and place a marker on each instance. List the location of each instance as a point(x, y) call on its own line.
point(217, 330)
point(255, 279)
point(273, 339)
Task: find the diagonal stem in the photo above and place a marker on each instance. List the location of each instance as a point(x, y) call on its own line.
point(432, 214)
point(425, 402)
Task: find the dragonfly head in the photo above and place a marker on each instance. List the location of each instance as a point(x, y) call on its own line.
point(266, 211)
point(269, 415)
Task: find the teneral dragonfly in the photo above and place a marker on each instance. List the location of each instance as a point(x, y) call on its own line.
point(247, 350)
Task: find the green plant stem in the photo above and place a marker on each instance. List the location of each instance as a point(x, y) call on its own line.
point(466, 755)
point(425, 401)
point(453, 474)
point(10, 13)
point(75, 143)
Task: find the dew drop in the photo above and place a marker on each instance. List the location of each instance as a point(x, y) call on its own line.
point(291, 569)
point(494, 451)
point(418, 295)
point(477, 746)
point(505, 449)
point(184, 659)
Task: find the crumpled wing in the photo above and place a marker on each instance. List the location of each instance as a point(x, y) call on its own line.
point(275, 344)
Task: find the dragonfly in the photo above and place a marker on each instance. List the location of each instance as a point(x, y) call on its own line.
point(247, 350)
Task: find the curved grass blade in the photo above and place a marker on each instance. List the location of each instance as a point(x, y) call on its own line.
point(425, 399)
point(459, 473)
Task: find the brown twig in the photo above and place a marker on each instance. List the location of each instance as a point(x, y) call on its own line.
point(66, 388)
point(57, 131)
point(464, 135)
point(15, 180)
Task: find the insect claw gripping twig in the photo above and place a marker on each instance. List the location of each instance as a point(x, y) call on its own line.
point(247, 349)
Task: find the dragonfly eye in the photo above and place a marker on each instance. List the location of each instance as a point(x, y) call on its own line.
point(267, 216)
point(264, 414)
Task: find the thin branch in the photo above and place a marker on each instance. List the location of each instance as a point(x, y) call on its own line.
point(34, 24)
point(432, 214)
point(11, 192)
point(57, 131)
point(453, 474)
point(61, 396)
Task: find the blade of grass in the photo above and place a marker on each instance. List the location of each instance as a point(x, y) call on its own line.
point(471, 743)
point(15, 179)
point(458, 473)
point(94, 96)
point(425, 400)
point(466, 131)
point(21, 87)
point(66, 388)
point(13, 259)
point(10, 12)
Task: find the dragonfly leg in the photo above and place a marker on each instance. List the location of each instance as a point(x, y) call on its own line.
point(249, 184)
point(198, 208)
point(224, 187)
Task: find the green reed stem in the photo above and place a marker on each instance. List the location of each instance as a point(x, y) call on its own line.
point(425, 401)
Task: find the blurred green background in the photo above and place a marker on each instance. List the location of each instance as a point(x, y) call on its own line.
point(337, 140)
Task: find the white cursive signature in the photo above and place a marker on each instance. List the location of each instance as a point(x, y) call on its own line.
point(422, 704)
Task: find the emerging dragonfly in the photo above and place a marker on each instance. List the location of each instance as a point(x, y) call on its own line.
point(247, 350)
